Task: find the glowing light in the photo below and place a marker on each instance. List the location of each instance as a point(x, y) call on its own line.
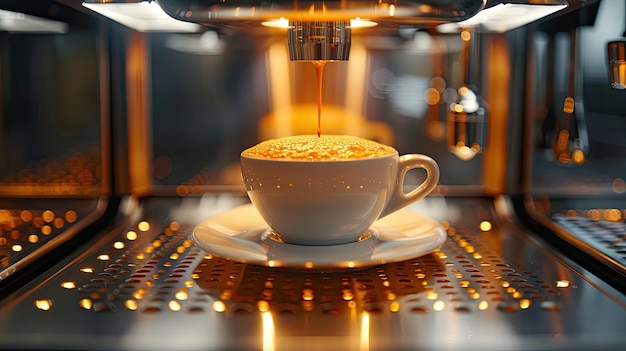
point(17, 248)
point(87, 270)
point(58, 223)
point(361, 23)
point(181, 294)
point(33, 238)
point(44, 305)
point(466, 35)
point(463, 151)
point(143, 226)
point(485, 226)
point(71, 216)
point(364, 341)
point(263, 306)
point(347, 295)
point(308, 295)
point(85, 303)
point(483, 305)
point(432, 295)
point(219, 306)
point(118, 245)
point(46, 230)
point(131, 305)
point(47, 216)
point(431, 96)
point(68, 285)
point(439, 305)
point(26, 216)
point(568, 105)
point(613, 215)
point(578, 156)
point(394, 306)
point(524, 303)
point(174, 305)
point(562, 283)
point(268, 332)
point(103, 257)
point(131, 235)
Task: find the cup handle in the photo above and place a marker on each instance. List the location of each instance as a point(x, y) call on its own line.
point(399, 198)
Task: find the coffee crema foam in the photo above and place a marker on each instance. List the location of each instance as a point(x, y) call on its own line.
point(322, 148)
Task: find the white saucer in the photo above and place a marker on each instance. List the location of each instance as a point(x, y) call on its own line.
point(240, 234)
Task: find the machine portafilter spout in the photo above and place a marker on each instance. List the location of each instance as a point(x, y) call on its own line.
point(319, 30)
point(319, 40)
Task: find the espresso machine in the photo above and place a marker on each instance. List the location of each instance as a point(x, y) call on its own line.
point(121, 127)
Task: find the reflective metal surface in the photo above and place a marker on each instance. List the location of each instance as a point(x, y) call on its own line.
point(145, 286)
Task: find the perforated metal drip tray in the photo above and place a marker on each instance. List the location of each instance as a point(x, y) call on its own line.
point(31, 228)
point(145, 286)
point(593, 229)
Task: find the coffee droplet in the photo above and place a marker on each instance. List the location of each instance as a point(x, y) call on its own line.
point(322, 148)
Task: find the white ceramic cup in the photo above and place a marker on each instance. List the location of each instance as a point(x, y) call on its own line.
point(329, 202)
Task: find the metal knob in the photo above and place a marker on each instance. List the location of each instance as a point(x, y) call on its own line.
point(617, 64)
point(319, 40)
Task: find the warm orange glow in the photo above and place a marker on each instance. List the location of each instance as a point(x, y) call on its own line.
point(143, 226)
point(71, 216)
point(394, 306)
point(68, 285)
point(58, 222)
point(131, 235)
point(131, 305)
point(568, 105)
point(268, 332)
point(364, 341)
point(181, 294)
point(431, 96)
point(47, 216)
point(26, 216)
point(578, 156)
point(466, 35)
point(174, 305)
point(562, 283)
point(33, 238)
point(85, 303)
point(614, 215)
point(485, 226)
point(44, 305)
point(439, 305)
point(118, 245)
point(524, 303)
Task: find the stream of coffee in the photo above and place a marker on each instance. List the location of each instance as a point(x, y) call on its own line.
point(319, 69)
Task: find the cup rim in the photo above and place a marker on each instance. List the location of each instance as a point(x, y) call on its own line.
point(332, 160)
